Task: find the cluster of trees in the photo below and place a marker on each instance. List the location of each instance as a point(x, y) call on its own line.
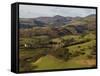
point(61, 53)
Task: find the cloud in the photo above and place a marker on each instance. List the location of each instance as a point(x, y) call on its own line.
point(31, 11)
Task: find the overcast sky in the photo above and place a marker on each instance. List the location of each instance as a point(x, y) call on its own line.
point(31, 11)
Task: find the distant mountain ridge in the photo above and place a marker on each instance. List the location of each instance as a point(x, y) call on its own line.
point(44, 21)
point(55, 21)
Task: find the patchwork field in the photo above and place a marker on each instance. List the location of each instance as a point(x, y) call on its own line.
point(79, 55)
point(71, 45)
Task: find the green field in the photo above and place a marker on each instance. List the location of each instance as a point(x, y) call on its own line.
point(45, 58)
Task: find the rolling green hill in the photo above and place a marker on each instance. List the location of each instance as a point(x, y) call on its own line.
point(50, 62)
point(73, 45)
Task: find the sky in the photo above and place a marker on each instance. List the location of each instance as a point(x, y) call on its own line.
point(33, 11)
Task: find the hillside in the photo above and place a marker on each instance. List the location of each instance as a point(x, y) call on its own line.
point(57, 43)
point(82, 25)
point(55, 21)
